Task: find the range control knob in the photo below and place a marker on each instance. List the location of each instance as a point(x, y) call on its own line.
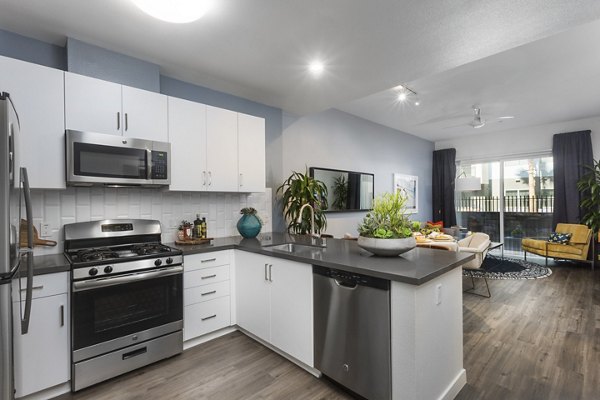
point(108, 269)
point(158, 262)
point(93, 271)
point(169, 260)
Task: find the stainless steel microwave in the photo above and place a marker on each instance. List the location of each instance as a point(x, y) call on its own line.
point(98, 159)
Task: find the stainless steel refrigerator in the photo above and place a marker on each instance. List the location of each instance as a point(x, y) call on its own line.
point(15, 261)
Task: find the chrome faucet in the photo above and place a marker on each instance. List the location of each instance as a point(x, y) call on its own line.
point(313, 233)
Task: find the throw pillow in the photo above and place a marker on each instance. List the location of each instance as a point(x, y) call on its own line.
point(437, 224)
point(560, 238)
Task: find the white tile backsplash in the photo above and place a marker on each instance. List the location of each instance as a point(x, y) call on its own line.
point(221, 210)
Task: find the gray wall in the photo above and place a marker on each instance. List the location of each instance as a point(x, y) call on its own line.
point(32, 50)
point(334, 139)
point(86, 59)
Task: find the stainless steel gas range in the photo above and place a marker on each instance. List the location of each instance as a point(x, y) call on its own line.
point(127, 298)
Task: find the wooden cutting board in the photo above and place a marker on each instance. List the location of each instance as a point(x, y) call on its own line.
point(36, 237)
point(189, 242)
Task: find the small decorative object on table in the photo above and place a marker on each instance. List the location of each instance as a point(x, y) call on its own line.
point(250, 223)
point(386, 230)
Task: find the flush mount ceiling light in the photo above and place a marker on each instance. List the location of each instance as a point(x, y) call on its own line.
point(316, 67)
point(405, 92)
point(176, 11)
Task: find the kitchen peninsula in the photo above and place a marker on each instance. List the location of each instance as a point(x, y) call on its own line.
point(425, 303)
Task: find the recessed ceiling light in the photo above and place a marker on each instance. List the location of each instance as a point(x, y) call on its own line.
point(177, 11)
point(417, 103)
point(316, 67)
point(506, 117)
point(402, 96)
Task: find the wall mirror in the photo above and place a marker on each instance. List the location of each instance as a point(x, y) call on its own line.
point(346, 190)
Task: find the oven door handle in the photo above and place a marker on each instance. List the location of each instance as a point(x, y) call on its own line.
point(129, 278)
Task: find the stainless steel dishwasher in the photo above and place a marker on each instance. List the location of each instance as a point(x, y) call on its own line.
point(352, 331)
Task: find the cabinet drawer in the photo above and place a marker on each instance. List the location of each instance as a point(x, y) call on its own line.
point(43, 285)
point(205, 276)
point(206, 260)
point(205, 293)
point(208, 316)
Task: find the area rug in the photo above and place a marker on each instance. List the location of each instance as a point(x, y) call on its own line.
point(509, 268)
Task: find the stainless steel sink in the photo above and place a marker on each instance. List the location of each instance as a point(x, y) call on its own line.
point(294, 247)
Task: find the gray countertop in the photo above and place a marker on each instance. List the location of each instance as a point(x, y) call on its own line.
point(415, 267)
point(49, 264)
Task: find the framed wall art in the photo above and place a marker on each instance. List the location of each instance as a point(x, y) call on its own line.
point(409, 184)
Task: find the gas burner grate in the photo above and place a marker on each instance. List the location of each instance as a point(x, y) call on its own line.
point(96, 254)
point(150, 248)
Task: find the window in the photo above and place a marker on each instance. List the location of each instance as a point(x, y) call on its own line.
point(516, 200)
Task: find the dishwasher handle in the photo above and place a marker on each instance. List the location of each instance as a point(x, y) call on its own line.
point(345, 284)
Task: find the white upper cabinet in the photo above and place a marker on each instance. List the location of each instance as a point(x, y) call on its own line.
point(187, 135)
point(251, 153)
point(222, 150)
point(92, 105)
point(144, 114)
point(38, 95)
point(105, 107)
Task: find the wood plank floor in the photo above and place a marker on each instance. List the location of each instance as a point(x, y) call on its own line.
point(534, 339)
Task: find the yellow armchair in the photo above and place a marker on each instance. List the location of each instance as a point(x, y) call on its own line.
point(577, 248)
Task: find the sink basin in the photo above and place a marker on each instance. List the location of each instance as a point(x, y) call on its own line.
point(294, 247)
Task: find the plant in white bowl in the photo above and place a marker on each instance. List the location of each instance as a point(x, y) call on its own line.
point(386, 229)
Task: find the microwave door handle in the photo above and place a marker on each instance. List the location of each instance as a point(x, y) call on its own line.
point(29, 252)
point(148, 164)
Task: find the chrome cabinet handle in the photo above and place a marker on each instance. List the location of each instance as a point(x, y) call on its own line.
point(270, 272)
point(209, 178)
point(212, 316)
point(126, 122)
point(118, 120)
point(208, 260)
point(62, 315)
point(241, 180)
point(208, 276)
point(203, 178)
point(207, 293)
point(266, 272)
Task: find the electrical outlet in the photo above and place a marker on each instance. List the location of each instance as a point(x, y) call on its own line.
point(45, 230)
point(438, 294)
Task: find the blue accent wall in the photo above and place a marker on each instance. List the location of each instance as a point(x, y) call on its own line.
point(31, 50)
point(86, 59)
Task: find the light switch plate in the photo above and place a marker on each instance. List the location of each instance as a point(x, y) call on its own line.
point(45, 230)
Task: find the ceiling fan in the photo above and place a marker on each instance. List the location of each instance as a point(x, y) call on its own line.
point(477, 122)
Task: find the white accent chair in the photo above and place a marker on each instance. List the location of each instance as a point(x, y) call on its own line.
point(478, 244)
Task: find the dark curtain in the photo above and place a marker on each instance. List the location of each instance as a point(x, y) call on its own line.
point(353, 202)
point(571, 151)
point(444, 173)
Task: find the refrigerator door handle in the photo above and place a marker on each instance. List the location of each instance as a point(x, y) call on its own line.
point(29, 294)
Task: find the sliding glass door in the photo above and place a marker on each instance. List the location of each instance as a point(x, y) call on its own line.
point(516, 200)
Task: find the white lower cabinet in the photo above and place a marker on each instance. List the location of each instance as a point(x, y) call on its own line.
point(42, 355)
point(275, 302)
point(207, 293)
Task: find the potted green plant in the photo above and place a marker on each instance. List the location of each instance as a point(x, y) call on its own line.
point(250, 224)
point(299, 189)
point(589, 186)
point(386, 230)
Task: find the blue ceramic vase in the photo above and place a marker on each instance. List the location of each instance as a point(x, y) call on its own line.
point(249, 226)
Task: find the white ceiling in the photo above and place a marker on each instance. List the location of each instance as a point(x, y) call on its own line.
point(551, 80)
point(259, 49)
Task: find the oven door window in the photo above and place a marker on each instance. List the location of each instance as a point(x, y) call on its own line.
point(108, 161)
point(111, 312)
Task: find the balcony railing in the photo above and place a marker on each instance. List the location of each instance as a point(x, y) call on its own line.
point(518, 204)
